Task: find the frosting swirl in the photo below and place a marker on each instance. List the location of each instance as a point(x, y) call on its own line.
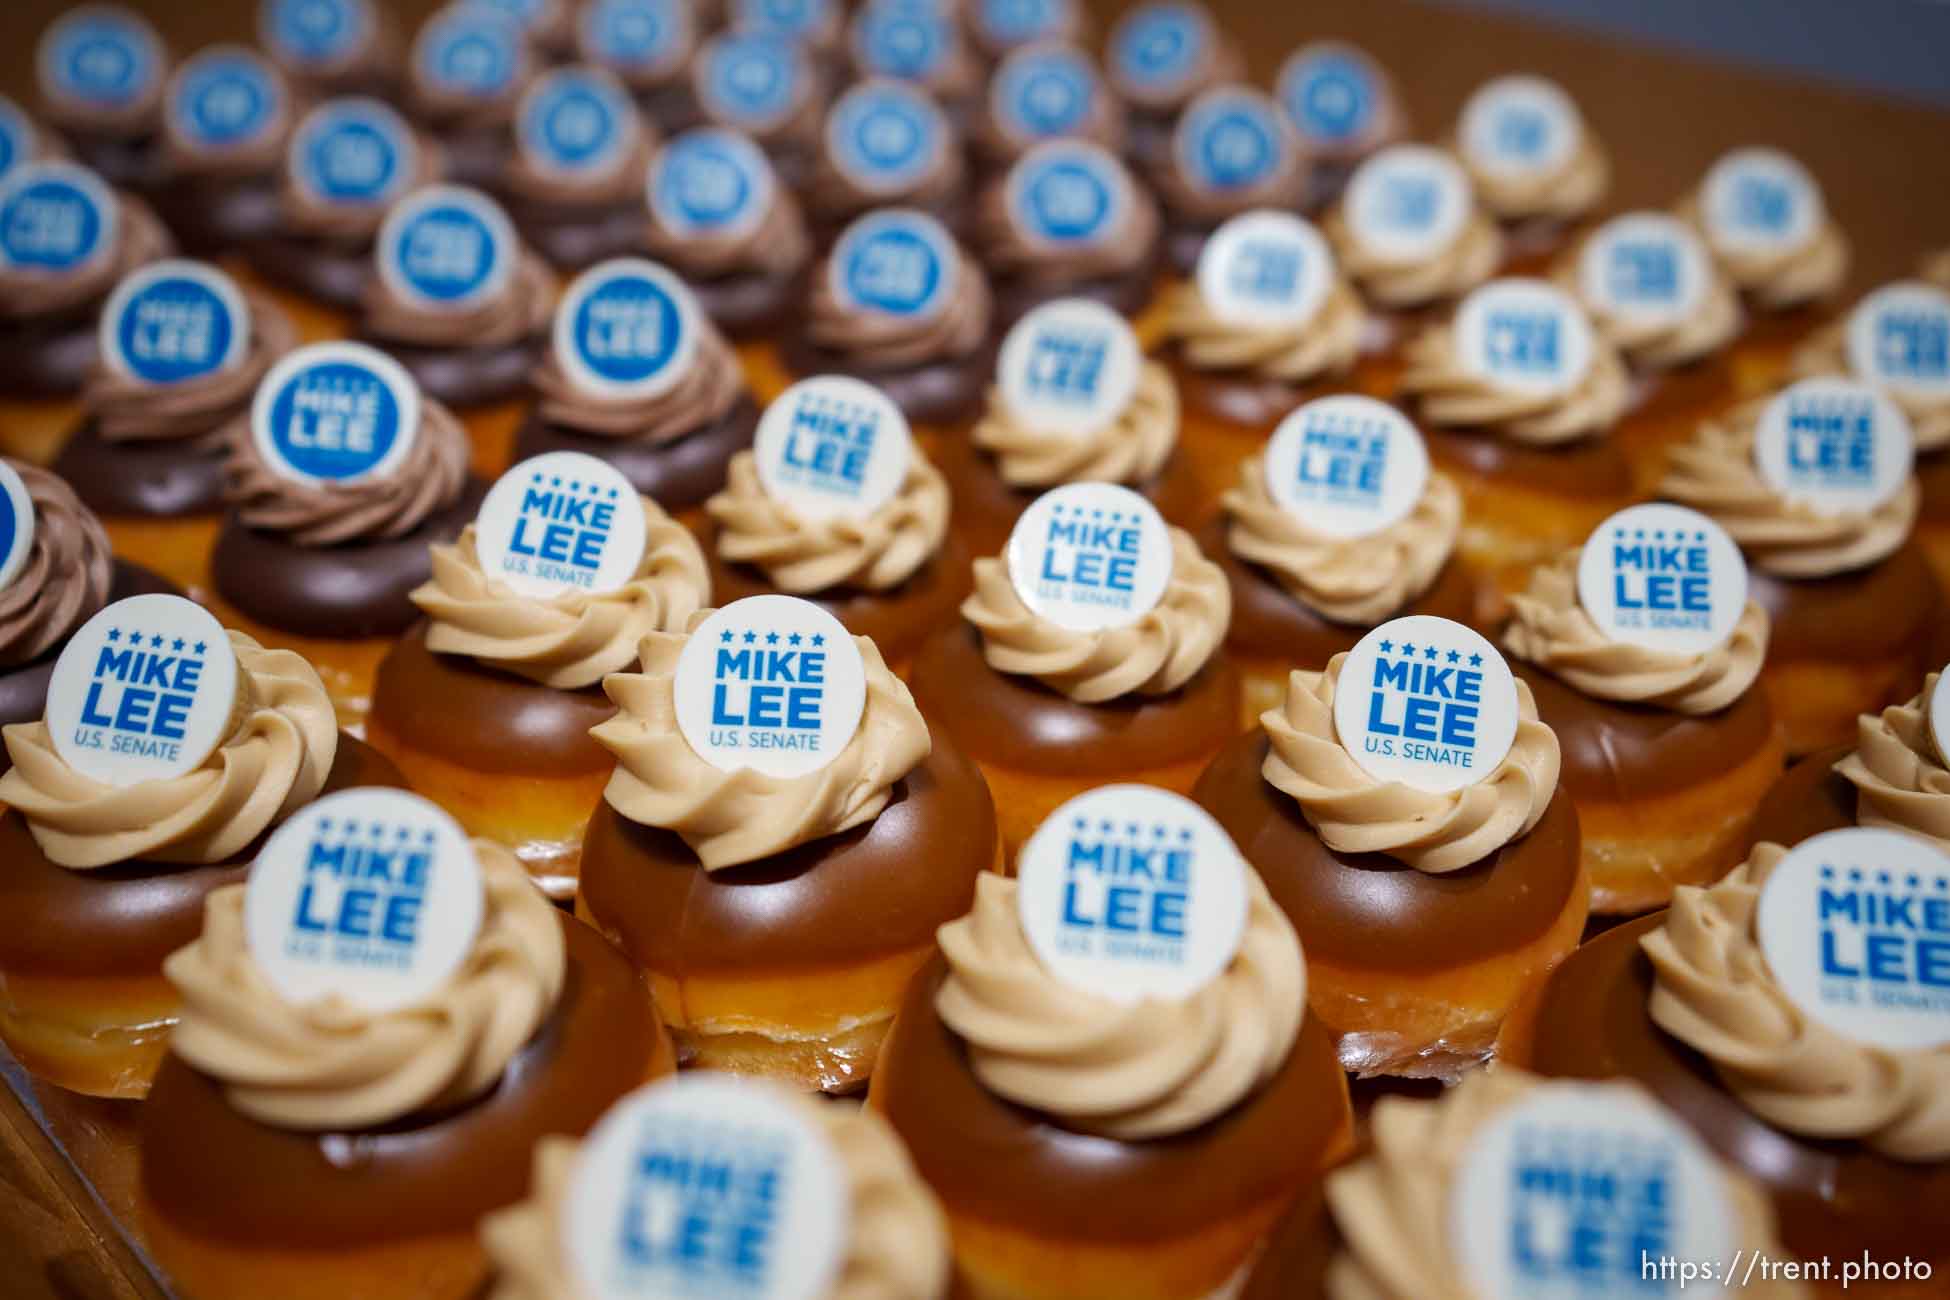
point(897, 1248)
point(622, 182)
point(1452, 394)
point(1185, 199)
point(429, 479)
point(1550, 628)
point(449, 109)
point(353, 223)
point(259, 154)
point(1779, 280)
point(1357, 581)
point(1009, 250)
point(1826, 354)
point(127, 409)
point(331, 1064)
point(1899, 777)
point(776, 244)
point(1714, 322)
point(801, 556)
point(521, 310)
point(1432, 831)
point(1716, 475)
point(1393, 1204)
point(1469, 260)
point(1327, 343)
point(1144, 1070)
point(702, 395)
point(575, 638)
point(27, 292)
point(1130, 449)
point(1713, 991)
point(1567, 191)
point(1000, 142)
point(834, 194)
point(67, 574)
point(275, 759)
point(957, 329)
point(1153, 655)
point(731, 817)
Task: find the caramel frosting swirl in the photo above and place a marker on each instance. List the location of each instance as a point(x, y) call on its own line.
point(1713, 323)
point(521, 310)
point(1550, 628)
point(1826, 354)
point(741, 816)
point(1777, 281)
point(702, 395)
point(1715, 474)
point(1327, 343)
point(1392, 1205)
point(897, 1247)
point(1899, 776)
point(956, 329)
point(127, 409)
point(26, 292)
point(1008, 250)
point(1131, 449)
point(66, 577)
point(574, 638)
point(1191, 202)
point(1452, 394)
point(429, 479)
point(353, 223)
point(1147, 1069)
point(1713, 991)
point(803, 556)
point(1433, 831)
point(1355, 581)
point(274, 760)
point(1561, 194)
point(622, 182)
point(334, 1065)
point(777, 244)
point(1469, 260)
point(1153, 655)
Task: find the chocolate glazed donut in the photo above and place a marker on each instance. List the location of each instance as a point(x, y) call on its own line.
point(333, 273)
point(161, 479)
point(678, 474)
point(1127, 293)
point(748, 304)
point(216, 215)
point(461, 377)
point(937, 392)
point(47, 356)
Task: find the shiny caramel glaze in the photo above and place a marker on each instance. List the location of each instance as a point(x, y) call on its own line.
point(1809, 798)
point(1589, 469)
point(677, 475)
point(1887, 610)
point(934, 392)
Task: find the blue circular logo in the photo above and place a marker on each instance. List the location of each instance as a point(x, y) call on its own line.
point(798, 19)
point(892, 41)
point(355, 152)
point(100, 54)
point(750, 78)
point(576, 120)
point(1230, 140)
point(1068, 192)
point(54, 217)
point(174, 321)
point(635, 35)
point(446, 246)
point(1329, 95)
point(1043, 92)
point(224, 98)
point(315, 33)
point(1008, 23)
point(626, 328)
point(471, 51)
point(1158, 47)
point(16, 524)
point(896, 261)
point(335, 413)
point(16, 135)
point(709, 181)
point(884, 136)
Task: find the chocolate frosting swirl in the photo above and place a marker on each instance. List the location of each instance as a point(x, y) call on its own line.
point(1713, 991)
point(1327, 343)
point(574, 638)
point(1190, 202)
point(1155, 654)
point(1565, 192)
point(1220, 64)
point(332, 1064)
point(1393, 1204)
point(1826, 354)
point(777, 244)
point(259, 154)
point(742, 816)
point(1898, 773)
point(1008, 250)
point(66, 577)
point(897, 1248)
point(137, 118)
point(1777, 281)
point(833, 193)
point(1432, 831)
point(622, 182)
point(702, 395)
point(1713, 323)
point(1102, 123)
point(1452, 394)
point(1130, 449)
point(127, 409)
point(521, 310)
point(353, 223)
point(1354, 581)
point(1550, 628)
point(1130, 1071)
point(26, 292)
point(1715, 474)
point(1469, 260)
point(802, 556)
point(274, 760)
point(451, 110)
point(429, 479)
point(884, 340)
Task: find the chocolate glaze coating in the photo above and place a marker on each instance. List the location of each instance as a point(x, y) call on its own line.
point(484, 719)
point(677, 475)
point(47, 356)
point(987, 508)
point(476, 156)
point(356, 590)
point(1247, 401)
point(461, 377)
point(1294, 1264)
point(1809, 798)
point(216, 215)
point(897, 621)
point(994, 1161)
point(937, 392)
point(216, 1173)
point(871, 892)
point(1022, 724)
point(1888, 609)
point(951, 210)
point(333, 273)
point(572, 236)
point(1367, 909)
point(1621, 753)
point(127, 162)
point(1933, 475)
point(1269, 622)
point(1183, 244)
point(671, 108)
point(1589, 469)
point(1834, 1198)
point(1127, 293)
point(161, 479)
point(748, 305)
point(123, 920)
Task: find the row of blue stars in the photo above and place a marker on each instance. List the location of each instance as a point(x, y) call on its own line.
point(156, 642)
point(1114, 516)
point(1133, 830)
point(1431, 653)
point(375, 829)
point(1857, 876)
point(594, 489)
point(771, 638)
point(1659, 534)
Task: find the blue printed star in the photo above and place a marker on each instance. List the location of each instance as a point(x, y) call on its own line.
point(352, 828)
point(725, 636)
point(1882, 877)
point(1387, 647)
point(1105, 827)
point(819, 638)
point(1475, 661)
point(555, 482)
point(405, 833)
point(771, 638)
point(324, 825)
point(177, 645)
point(1854, 876)
point(1455, 656)
point(794, 639)
point(200, 647)
point(536, 477)
point(135, 637)
point(1160, 831)
point(1408, 648)
point(1131, 829)
point(751, 638)
point(115, 634)
point(1185, 835)
point(1828, 873)
point(1429, 652)
point(155, 643)
point(426, 837)
point(1081, 824)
